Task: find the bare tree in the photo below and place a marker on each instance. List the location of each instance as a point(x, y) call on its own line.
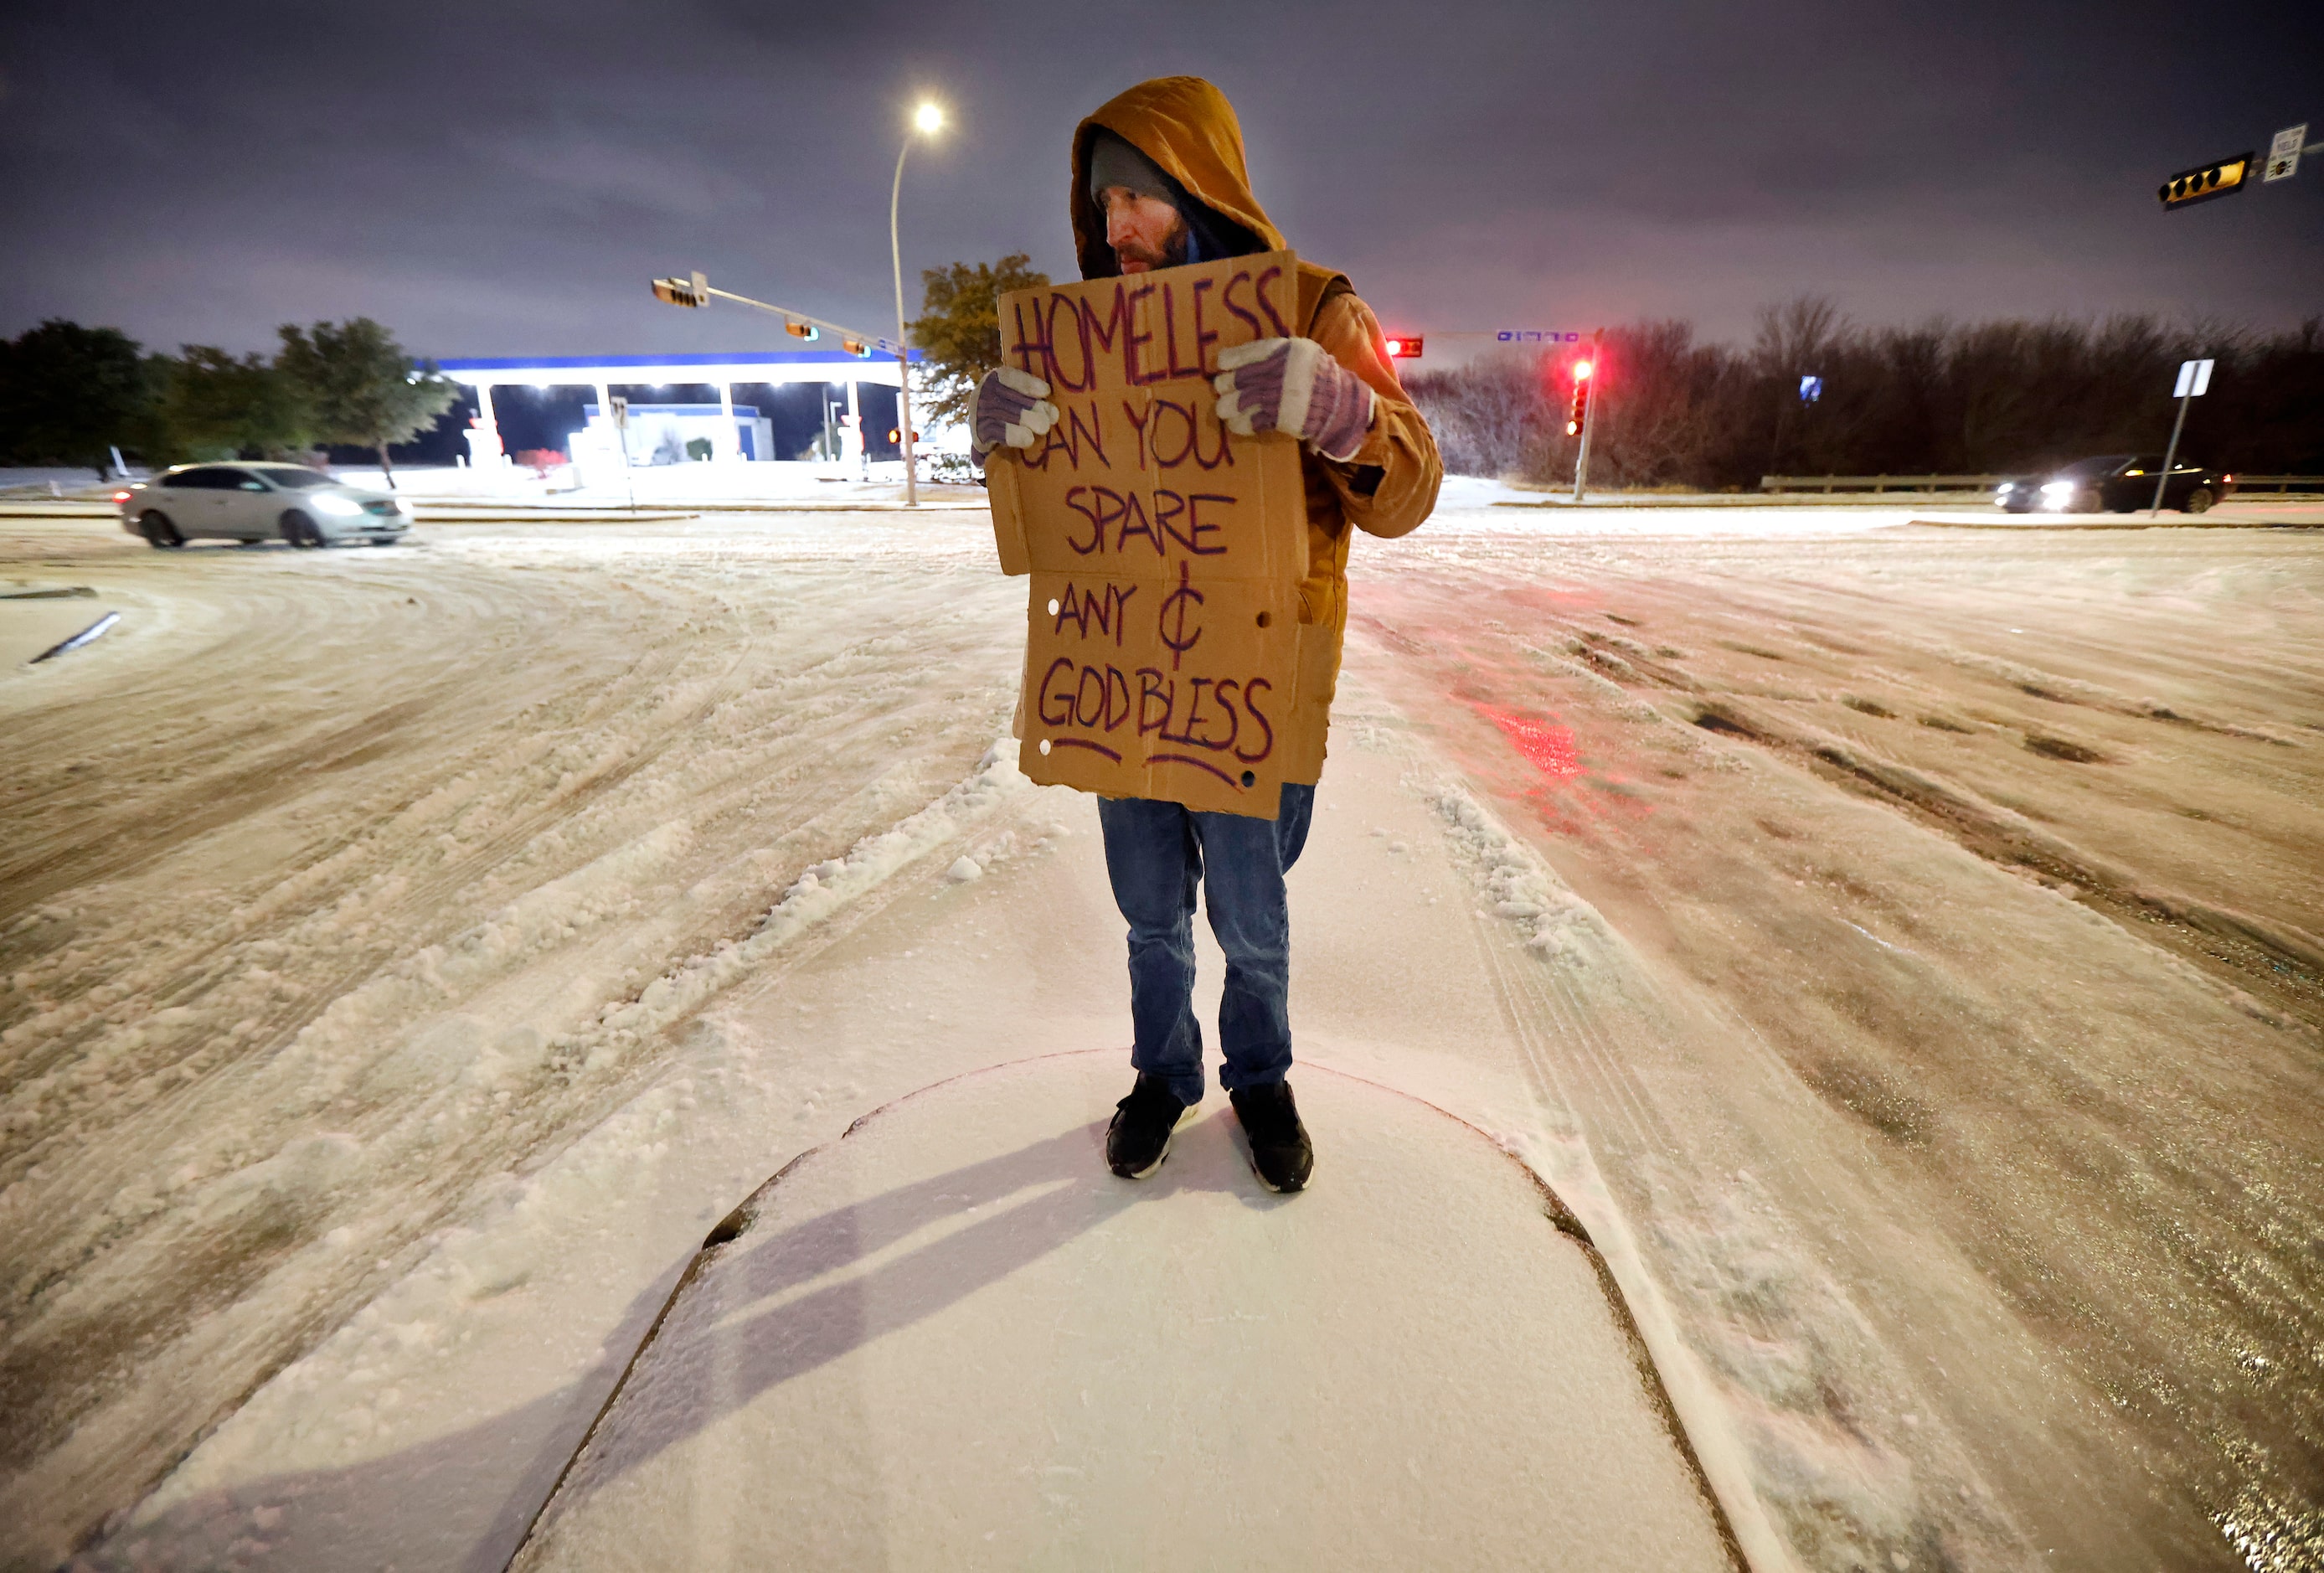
point(2001, 396)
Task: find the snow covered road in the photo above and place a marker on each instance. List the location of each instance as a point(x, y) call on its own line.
point(322, 874)
point(1898, 946)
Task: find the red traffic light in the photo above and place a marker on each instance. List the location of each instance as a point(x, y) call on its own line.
point(1581, 370)
point(1405, 347)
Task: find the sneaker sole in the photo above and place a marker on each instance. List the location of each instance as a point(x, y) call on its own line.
point(1158, 1157)
point(1150, 1169)
point(1278, 1189)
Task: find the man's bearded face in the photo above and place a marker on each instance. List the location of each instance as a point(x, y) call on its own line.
point(1145, 231)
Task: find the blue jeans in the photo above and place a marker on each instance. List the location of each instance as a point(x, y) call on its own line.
point(1154, 854)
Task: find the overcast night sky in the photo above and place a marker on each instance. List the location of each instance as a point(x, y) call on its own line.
point(503, 179)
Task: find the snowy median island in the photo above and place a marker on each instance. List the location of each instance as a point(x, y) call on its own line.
point(1897, 949)
point(953, 1340)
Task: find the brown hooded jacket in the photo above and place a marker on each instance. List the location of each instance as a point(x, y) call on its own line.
point(1187, 127)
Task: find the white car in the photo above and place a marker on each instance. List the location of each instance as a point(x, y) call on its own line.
point(258, 502)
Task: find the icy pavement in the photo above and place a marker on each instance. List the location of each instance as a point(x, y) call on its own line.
point(1897, 947)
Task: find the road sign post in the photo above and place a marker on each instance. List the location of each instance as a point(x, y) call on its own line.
point(2194, 380)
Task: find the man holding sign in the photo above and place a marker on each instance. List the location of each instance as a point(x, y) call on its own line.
point(1179, 455)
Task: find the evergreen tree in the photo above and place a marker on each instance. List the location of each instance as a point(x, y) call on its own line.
point(213, 405)
point(68, 394)
point(360, 387)
point(958, 330)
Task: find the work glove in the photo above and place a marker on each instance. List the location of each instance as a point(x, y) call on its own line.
point(1012, 407)
point(1293, 385)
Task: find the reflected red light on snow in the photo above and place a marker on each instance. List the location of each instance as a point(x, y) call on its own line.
point(1549, 749)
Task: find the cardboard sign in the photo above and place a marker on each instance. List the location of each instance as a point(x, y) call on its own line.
point(1163, 641)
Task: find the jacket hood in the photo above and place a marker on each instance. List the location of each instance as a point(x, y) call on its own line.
point(1187, 127)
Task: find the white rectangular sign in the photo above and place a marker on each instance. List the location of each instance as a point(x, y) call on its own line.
point(2194, 376)
point(2283, 152)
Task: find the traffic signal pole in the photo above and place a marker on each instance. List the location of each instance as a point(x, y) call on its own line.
point(695, 291)
point(1589, 413)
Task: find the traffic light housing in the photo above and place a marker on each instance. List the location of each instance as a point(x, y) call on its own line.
point(802, 330)
point(1579, 416)
point(2221, 177)
point(693, 290)
point(1405, 346)
point(856, 347)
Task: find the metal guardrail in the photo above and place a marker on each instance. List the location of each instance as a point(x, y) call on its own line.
point(1879, 482)
point(2278, 484)
point(2243, 484)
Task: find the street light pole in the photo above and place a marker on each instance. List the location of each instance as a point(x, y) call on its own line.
point(930, 119)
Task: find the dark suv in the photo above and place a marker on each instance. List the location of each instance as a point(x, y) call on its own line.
point(2114, 483)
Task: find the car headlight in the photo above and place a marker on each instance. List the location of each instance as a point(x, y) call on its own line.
point(332, 503)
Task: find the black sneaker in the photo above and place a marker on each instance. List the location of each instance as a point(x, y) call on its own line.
point(1140, 1137)
point(1280, 1153)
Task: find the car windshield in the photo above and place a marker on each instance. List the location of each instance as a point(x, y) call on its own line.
point(2090, 469)
point(297, 480)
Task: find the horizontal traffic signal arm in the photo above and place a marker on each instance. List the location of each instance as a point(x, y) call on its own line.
point(696, 291)
point(2221, 177)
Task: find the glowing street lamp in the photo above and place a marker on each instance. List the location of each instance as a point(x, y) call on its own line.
point(926, 120)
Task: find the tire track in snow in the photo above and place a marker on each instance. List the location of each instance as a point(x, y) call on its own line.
point(2081, 1181)
point(740, 761)
point(1732, 1307)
